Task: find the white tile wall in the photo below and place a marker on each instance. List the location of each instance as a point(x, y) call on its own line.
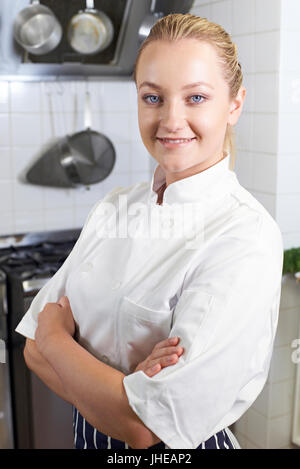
point(264, 172)
point(32, 115)
point(265, 132)
point(267, 15)
point(246, 51)
point(290, 16)
point(267, 34)
point(290, 91)
point(5, 129)
point(266, 92)
point(4, 107)
point(287, 211)
point(243, 17)
point(222, 14)
point(25, 97)
point(267, 56)
point(5, 164)
point(288, 135)
point(290, 41)
point(288, 173)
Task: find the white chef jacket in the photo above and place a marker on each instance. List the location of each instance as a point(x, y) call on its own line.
point(216, 286)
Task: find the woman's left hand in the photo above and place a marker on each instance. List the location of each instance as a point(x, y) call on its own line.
point(55, 320)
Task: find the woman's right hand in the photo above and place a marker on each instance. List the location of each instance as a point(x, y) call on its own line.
point(164, 354)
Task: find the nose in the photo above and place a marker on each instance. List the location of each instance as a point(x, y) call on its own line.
point(172, 117)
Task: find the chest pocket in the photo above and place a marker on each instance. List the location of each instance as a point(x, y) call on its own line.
point(141, 329)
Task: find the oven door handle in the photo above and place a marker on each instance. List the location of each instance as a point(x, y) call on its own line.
point(32, 286)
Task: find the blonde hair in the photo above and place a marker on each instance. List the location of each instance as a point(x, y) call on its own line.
point(178, 26)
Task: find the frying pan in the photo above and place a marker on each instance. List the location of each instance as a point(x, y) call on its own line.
point(37, 29)
point(88, 156)
point(90, 31)
point(83, 158)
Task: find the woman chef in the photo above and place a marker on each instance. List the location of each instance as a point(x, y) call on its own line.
point(181, 256)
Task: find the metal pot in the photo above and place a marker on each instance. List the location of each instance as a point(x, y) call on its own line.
point(37, 29)
point(90, 31)
point(149, 21)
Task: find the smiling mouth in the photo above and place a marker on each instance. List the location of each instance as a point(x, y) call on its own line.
point(176, 140)
point(173, 143)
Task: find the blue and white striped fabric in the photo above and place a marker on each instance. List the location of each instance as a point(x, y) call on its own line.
point(88, 437)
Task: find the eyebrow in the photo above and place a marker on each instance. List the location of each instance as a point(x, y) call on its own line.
point(191, 85)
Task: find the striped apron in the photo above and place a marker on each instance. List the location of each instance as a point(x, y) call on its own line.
point(88, 437)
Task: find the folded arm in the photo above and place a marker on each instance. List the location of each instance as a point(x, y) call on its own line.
point(93, 387)
point(37, 363)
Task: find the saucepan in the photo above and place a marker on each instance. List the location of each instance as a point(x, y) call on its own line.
point(37, 29)
point(90, 31)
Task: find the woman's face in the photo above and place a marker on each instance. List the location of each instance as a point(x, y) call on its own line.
point(171, 105)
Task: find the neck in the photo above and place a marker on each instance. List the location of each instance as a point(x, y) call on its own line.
point(171, 177)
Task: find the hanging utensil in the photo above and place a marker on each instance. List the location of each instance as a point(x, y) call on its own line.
point(37, 29)
point(80, 159)
point(47, 170)
point(90, 31)
point(149, 21)
point(89, 153)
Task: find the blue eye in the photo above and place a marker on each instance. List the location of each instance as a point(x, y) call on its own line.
point(150, 96)
point(153, 99)
point(197, 96)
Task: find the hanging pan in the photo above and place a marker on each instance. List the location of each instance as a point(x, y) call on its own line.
point(83, 158)
point(90, 31)
point(37, 29)
point(87, 156)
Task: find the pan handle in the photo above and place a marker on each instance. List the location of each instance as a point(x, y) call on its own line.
point(152, 7)
point(87, 111)
point(90, 5)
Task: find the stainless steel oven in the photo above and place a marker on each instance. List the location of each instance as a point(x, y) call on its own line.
point(31, 416)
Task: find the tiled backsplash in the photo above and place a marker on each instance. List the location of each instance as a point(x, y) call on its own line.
point(267, 35)
point(26, 127)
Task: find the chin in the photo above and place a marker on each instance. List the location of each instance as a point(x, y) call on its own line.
point(175, 168)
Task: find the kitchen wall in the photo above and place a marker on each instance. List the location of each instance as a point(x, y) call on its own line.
point(267, 35)
point(267, 164)
point(26, 128)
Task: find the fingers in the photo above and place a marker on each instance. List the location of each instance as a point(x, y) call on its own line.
point(162, 362)
point(167, 342)
point(167, 351)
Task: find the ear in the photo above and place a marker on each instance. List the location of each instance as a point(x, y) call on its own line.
point(236, 106)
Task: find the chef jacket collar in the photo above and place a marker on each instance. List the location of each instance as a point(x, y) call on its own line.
point(211, 182)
